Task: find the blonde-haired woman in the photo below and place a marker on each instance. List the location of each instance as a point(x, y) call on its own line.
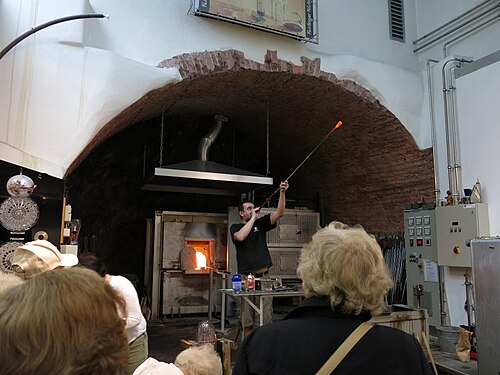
point(345, 280)
point(63, 323)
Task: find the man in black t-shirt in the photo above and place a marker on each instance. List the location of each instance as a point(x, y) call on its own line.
point(249, 238)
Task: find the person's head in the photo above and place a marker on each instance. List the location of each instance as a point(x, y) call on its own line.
point(91, 261)
point(36, 257)
point(62, 322)
point(245, 210)
point(8, 280)
point(346, 265)
point(199, 360)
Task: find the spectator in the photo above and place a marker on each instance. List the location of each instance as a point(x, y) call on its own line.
point(136, 325)
point(36, 257)
point(345, 280)
point(63, 322)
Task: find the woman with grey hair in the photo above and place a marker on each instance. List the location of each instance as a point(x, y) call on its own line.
point(345, 280)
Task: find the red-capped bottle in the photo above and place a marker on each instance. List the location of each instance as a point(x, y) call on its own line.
point(250, 283)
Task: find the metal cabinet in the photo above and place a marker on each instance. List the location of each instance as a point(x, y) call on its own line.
point(486, 279)
point(293, 230)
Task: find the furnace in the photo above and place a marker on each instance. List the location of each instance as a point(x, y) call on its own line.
point(189, 261)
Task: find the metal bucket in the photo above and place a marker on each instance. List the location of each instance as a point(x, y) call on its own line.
point(448, 338)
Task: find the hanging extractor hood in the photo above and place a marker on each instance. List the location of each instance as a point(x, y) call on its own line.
point(204, 176)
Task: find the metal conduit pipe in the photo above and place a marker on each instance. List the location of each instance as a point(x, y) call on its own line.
point(435, 31)
point(446, 126)
point(433, 130)
point(456, 28)
point(449, 153)
point(445, 47)
point(450, 135)
point(455, 144)
point(43, 26)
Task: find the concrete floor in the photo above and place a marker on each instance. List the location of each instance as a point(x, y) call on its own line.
point(165, 334)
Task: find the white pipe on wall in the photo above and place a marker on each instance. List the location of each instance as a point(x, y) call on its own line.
point(433, 130)
point(481, 25)
point(463, 24)
point(435, 31)
point(451, 131)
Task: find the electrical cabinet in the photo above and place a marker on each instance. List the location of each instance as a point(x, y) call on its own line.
point(456, 226)
point(422, 273)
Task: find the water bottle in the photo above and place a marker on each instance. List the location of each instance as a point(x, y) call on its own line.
point(236, 279)
point(250, 282)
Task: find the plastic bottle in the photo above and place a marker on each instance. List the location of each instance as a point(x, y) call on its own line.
point(236, 280)
point(250, 282)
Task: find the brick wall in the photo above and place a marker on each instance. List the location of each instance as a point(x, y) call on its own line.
point(364, 173)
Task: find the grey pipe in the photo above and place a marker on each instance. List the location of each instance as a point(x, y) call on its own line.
point(433, 130)
point(445, 47)
point(451, 132)
point(445, 311)
point(454, 136)
point(456, 28)
point(446, 124)
point(451, 21)
point(206, 142)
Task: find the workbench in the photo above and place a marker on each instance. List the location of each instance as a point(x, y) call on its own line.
point(246, 296)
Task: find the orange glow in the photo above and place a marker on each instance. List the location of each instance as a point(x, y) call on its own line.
point(201, 260)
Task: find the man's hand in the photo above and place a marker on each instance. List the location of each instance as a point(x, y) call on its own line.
point(255, 212)
point(284, 185)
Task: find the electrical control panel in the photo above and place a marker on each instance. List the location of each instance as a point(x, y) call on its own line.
point(421, 262)
point(456, 226)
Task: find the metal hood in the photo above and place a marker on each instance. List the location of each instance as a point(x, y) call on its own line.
point(204, 176)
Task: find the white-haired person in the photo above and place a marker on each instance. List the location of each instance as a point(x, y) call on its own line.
point(345, 279)
point(195, 360)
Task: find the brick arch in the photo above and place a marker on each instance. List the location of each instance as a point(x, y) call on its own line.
point(365, 173)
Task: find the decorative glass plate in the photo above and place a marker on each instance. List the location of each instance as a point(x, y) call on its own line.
point(18, 214)
point(6, 254)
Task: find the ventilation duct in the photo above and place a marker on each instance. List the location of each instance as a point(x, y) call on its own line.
point(203, 176)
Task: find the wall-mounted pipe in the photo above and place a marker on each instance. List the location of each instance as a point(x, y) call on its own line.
point(437, 190)
point(455, 143)
point(463, 15)
point(43, 26)
point(481, 25)
point(446, 126)
point(451, 130)
point(432, 41)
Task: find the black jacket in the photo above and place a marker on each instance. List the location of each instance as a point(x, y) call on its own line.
point(304, 340)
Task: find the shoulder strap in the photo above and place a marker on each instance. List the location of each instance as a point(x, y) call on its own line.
point(345, 348)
